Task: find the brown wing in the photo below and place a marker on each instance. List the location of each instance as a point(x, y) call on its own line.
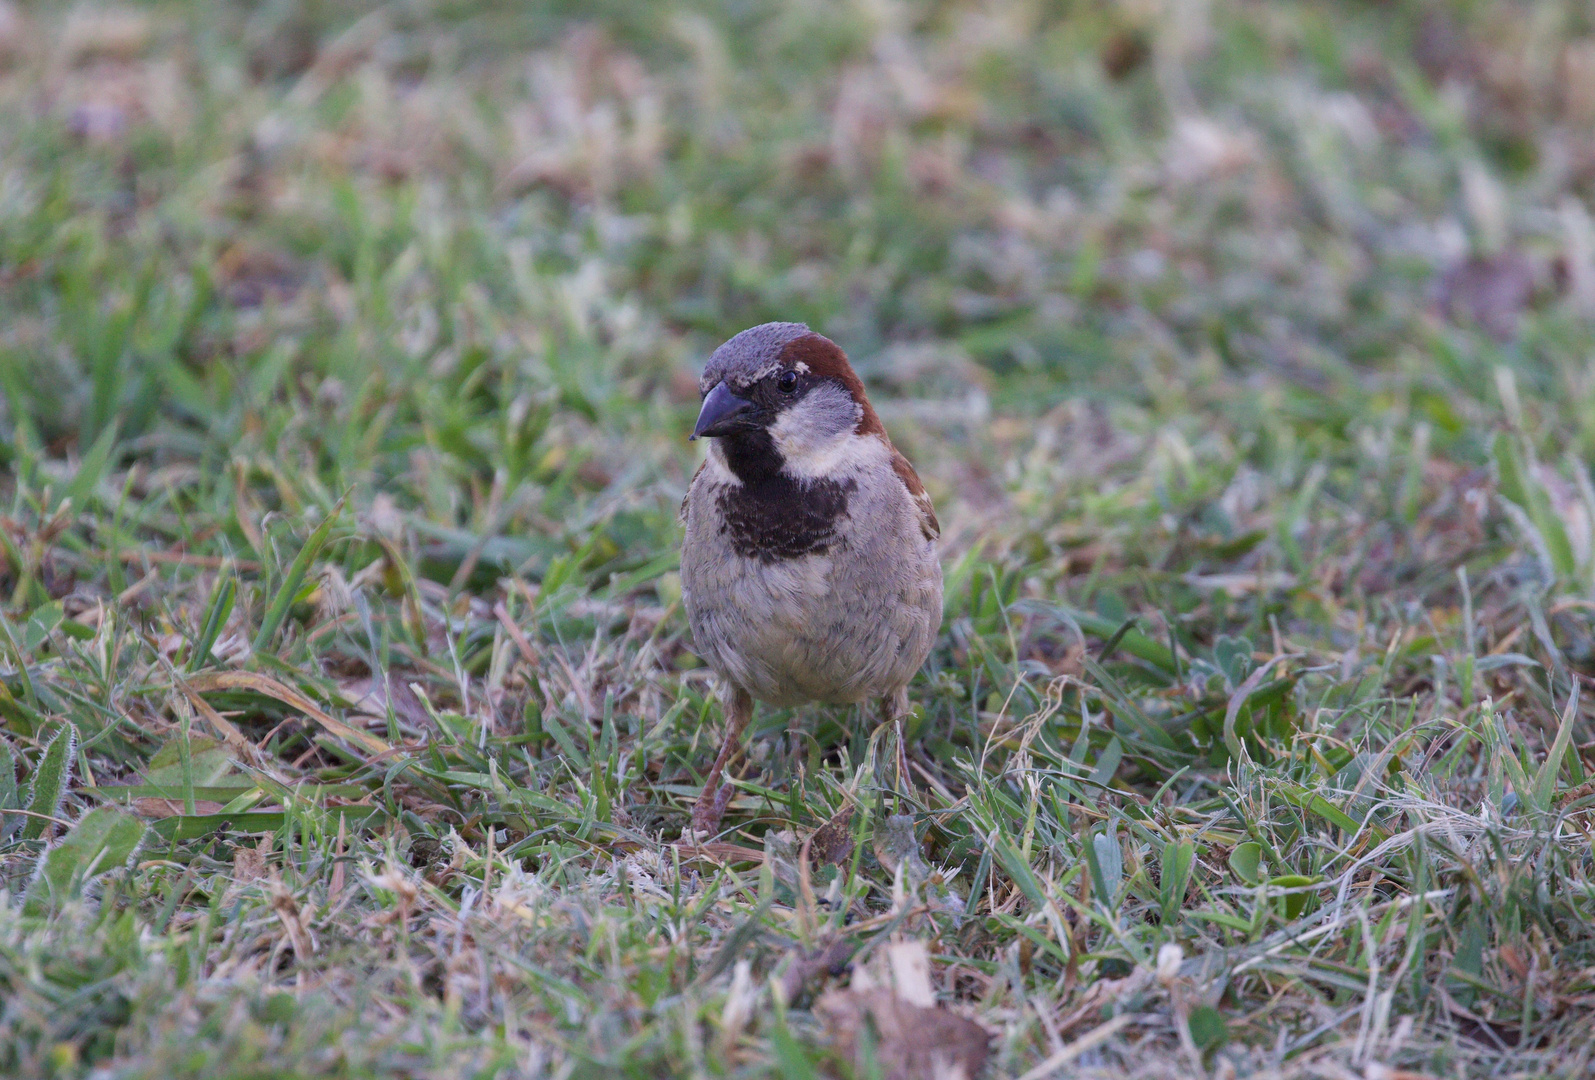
point(916, 490)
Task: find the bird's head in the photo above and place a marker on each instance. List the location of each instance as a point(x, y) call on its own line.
point(782, 395)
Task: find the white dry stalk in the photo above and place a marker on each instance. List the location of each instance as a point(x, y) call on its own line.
point(741, 1002)
point(910, 967)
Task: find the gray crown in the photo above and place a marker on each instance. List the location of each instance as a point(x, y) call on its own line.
point(751, 355)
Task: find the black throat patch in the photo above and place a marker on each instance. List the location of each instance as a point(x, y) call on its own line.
point(771, 516)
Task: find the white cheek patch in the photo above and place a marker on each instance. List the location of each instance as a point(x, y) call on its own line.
point(816, 437)
point(841, 456)
point(813, 428)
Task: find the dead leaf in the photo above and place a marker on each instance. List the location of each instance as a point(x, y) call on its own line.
point(832, 843)
point(366, 697)
point(152, 807)
point(1125, 52)
point(914, 1037)
point(294, 920)
point(261, 684)
point(717, 851)
point(249, 863)
point(895, 844)
point(251, 277)
point(223, 726)
point(1488, 291)
point(741, 1001)
point(828, 959)
point(912, 1042)
point(105, 33)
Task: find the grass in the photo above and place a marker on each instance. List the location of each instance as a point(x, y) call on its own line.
point(349, 711)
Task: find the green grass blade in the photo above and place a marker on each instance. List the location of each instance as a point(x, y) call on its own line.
point(217, 610)
point(9, 796)
point(277, 612)
point(93, 466)
point(1544, 786)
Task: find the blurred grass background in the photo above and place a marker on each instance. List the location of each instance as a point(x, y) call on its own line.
point(347, 354)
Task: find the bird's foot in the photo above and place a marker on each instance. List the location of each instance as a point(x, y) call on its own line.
point(706, 814)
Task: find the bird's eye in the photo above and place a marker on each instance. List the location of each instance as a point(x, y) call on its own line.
point(787, 382)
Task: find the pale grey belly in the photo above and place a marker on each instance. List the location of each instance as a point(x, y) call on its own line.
point(818, 628)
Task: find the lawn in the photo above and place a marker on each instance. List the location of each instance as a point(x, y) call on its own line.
point(349, 717)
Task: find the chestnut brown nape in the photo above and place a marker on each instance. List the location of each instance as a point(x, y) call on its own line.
point(826, 360)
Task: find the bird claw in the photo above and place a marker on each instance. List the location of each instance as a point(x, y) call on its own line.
point(706, 814)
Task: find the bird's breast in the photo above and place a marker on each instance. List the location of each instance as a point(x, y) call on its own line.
point(830, 596)
point(777, 519)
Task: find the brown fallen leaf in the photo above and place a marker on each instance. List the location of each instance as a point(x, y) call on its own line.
point(1125, 52)
point(151, 807)
point(717, 851)
point(832, 843)
point(262, 684)
point(1488, 291)
point(295, 921)
point(830, 959)
point(249, 863)
point(911, 1041)
point(223, 727)
point(914, 1037)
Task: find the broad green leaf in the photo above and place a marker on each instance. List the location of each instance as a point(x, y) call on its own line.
point(211, 761)
point(50, 780)
point(216, 613)
point(790, 1057)
point(1519, 485)
point(312, 794)
point(1109, 861)
point(192, 827)
point(1509, 470)
point(1175, 876)
point(1208, 1030)
point(10, 798)
point(556, 727)
point(45, 617)
point(1503, 756)
point(1108, 763)
point(1245, 861)
point(1233, 656)
point(1316, 804)
point(210, 793)
point(1014, 865)
point(102, 840)
point(1296, 902)
point(1233, 922)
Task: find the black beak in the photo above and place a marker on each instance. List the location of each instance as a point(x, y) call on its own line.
point(721, 414)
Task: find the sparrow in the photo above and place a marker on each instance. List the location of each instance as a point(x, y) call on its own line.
point(808, 569)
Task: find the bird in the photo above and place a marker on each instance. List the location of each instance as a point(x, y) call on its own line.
point(809, 567)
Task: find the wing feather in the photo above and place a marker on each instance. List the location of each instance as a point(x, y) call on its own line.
point(916, 491)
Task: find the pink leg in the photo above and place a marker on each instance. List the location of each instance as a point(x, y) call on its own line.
point(711, 804)
point(894, 707)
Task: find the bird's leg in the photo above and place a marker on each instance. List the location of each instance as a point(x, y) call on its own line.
point(894, 707)
point(711, 804)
